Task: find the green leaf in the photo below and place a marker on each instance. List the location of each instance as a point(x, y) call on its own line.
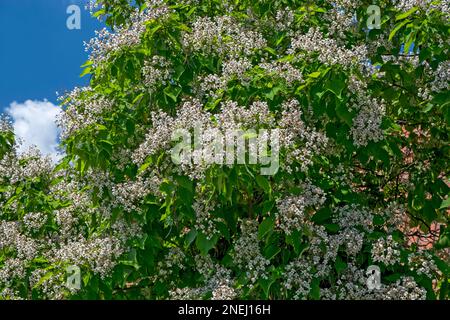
point(344, 114)
point(314, 75)
point(340, 265)
point(322, 215)
point(445, 203)
point(266, 226)
point(314, 293)
point(86, 71)
point(204, 244)
point(406, 14)
point(190, 237)
point(336, 85)
point(332, 227)
point(265, 285)
point(397, 27)
point(263, 183)
point(271, 251)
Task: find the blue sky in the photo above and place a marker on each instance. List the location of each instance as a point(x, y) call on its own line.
point(40, 56)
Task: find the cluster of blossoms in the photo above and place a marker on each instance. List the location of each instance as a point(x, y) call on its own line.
point(352, 285)
point(34, 221)
point(283, 70)
point(212, 85)
point(436, 80)
point(318, 261)
point(298, 275)
point(83, 108)
point(130, 194)
point(442, 6)
point(284, 19)
point(128, 35)
point(218, 281)
point(223, 36)
point(386, 251)
point(441, 77)
point(247, 252)
point(156, 72)
point(293, 211)
point(341, 22)
point(173, 261)
point(367, 123)
point(205, 220)
point(216, 131)
point(422, 263)
point(329, 52)
point(304, 142)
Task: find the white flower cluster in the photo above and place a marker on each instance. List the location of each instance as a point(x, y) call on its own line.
point(34, 221)
point(298, 276)
point(442, 6)
point(157, 71)
point(329, 52)
point(99, 254)
point(212, 85)
point(12, 269)
point(282, 70)
point(12, 172)
point(295, 211)
point(82, 109)
point(224, 292)
point(24, 240)
point(247, 252)
point(395, 217)
point(51, 284)
point(10, 294)
point(218, 282)
point(223, 36)
point(12, 238)
point(367, 123)
point(441, 77)
point(352, 216)
point(422, 263)
point(205, 221)
point(405, 289)
point(346, 4)
point(386, 251)
point(340, 22)
point(190, 115)
point(351, 285)
point(130, 194)
point(127, 35)
point(5, 124)
point(284, 19)
point(300, 142)
point(174, 260)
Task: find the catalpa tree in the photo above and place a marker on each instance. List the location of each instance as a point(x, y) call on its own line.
point(242, 150)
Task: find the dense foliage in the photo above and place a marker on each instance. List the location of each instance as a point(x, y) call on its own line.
point(363, 119)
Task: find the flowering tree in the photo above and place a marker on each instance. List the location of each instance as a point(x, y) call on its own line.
point(352, 121)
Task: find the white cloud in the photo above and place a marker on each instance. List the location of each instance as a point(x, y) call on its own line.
point(34, 123)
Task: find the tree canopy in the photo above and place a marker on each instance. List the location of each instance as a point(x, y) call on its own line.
point(358, 123)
